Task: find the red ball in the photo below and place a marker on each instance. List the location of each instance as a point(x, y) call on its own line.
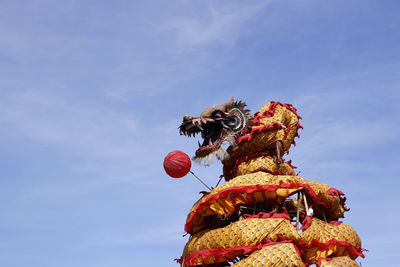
point(177, 164)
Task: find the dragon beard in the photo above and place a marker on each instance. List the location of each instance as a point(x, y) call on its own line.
point(220, 153)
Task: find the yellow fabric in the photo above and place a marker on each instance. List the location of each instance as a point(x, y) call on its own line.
point(251, 232)
point(226, 204)
point(261, 163)
point(335, 209)
point(266, 140)
point(255, 180)
point(324, 232)
point(343, 261)
point(276, 255)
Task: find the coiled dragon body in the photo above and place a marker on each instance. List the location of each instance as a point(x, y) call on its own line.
point(264, 215)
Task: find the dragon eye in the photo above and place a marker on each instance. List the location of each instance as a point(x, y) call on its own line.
point(217, 114)
point(232, 121)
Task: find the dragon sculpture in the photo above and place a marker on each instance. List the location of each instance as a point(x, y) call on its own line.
point(264, 215)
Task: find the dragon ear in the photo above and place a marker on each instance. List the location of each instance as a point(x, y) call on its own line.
point(232, 100)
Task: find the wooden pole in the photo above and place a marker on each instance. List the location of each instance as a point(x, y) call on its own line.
point(323, 215)
point(298, 211)
point(305, 201)
point(278, 152)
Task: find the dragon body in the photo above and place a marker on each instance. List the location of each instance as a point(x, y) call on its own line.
point(263, 215)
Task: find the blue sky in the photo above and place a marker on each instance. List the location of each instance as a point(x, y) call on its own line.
point(92, 93)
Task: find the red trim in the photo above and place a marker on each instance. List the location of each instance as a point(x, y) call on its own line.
point(272, 214)
point(249, 189)
point(224, 254)
point(180, 260)
point(238, 161)
point(355, 250)
point(256, 130)
point(271, 111)
point(267, 114)
point(324, 258)
point(306, 223)
point(334, 192)
point(336, 223)
point(290, 164)
point(232, 172)
point(286, 131)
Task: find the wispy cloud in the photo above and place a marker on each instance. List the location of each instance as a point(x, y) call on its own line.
point(46, 118)
point(329, 126)
point(349, 134)
point(91, 96)
point(170, 231)
point(222, 23)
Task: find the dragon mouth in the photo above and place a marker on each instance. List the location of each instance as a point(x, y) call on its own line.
point(212, 131)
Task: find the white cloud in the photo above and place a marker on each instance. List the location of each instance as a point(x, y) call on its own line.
point(167, 232)
point(328, 127)
point(46, 118)
point(222, 23)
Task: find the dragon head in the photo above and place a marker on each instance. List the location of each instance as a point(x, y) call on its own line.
point(217, 125)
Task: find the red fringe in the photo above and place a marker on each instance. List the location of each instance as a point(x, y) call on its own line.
point(271, 111)
point(238, 161)
point(286, 131)
point(334, 192)
point(249, 189)
point(267, 114)
point(321, 259)
point(180, 260)
point(270, 127)
point(336, 223)
point(224, 254)
point(273, 215)
point(306, 223)
point(290, 164)
point(355, 250)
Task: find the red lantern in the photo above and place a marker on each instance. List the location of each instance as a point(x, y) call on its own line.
point(177, 164)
